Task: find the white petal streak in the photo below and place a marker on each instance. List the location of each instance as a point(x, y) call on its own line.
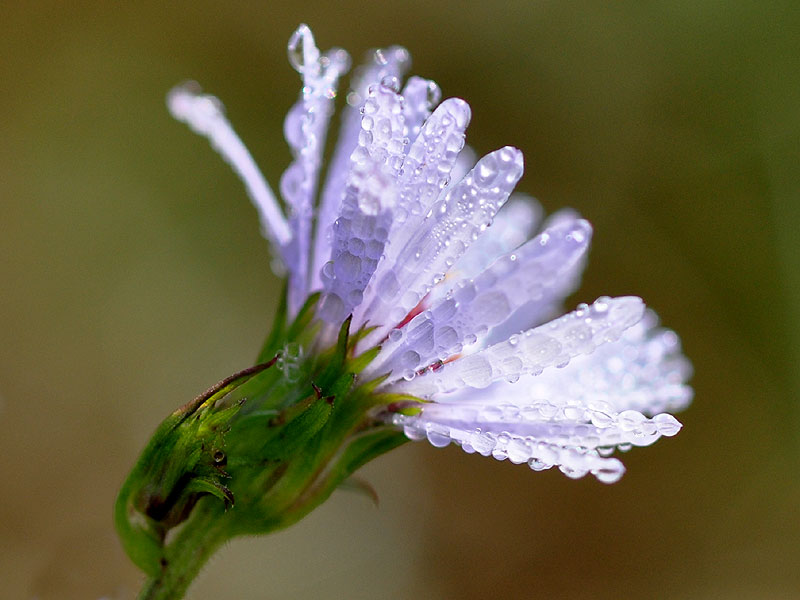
point(535, 272)
point(385, 63)
point(552, 344)
point(363, 226)
point(454, 222)
point(305, 129)
point(205, 115)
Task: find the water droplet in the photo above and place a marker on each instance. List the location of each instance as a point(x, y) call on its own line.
point(433, 94)
point(538, 465)
point(485, 171)
point(414, 432)
point(380, 57)
point(667, 424)
point(475, 371)
point(300, 44)
point(610, 472)
point(630, 420)
point(347, 267)
point(572, 473)
point(391, 82)
point(438, 435)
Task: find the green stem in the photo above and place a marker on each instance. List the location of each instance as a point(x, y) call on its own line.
point(183, 558)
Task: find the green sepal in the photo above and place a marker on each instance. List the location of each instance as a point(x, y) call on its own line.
point(363, 332)
point(209, 486)
point(263, 439)
point(360, 362)
point(370, 386)
point(361, 450)
point(360, 486)
point(294, 435)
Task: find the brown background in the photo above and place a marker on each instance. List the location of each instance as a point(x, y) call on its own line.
point(133, 276)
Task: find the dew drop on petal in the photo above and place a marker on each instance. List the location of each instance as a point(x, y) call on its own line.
point(610, 472)
point(666, 424)
point(475, 371)
point(438, 435)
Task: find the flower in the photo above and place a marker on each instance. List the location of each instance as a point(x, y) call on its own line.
point(427, 253)
point(416, 307)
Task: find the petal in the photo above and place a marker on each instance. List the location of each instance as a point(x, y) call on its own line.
point(305, 129)
point(453, 223)
point(385, 63)
point(420, 96)
point(573, 461)
point(552, 344)
point(534, 273)
point(514, 224)
point(206, 116)
point(571, 415)
point(425, 174)
point(366, 216)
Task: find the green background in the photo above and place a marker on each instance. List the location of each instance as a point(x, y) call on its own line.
point(133, 277)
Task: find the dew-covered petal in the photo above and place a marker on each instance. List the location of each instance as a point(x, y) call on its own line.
point(540, 309)
point(613, 398)
point(533, 273)
point(539, 455)
point(421, 96)
point(305, 129)
point(453, 223)
point(425, 174)
point(464, 163)
point(552, 344)
point(513, 225)
point(643, 371)
point(563, 424)
point(387, 64)
point(206, 116)
point(362, 228)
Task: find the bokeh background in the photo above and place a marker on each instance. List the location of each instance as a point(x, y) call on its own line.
point(133, 276)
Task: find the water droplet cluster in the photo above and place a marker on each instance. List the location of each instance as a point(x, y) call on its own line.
point(424, 176)
point(381, 64)
point(533, 273)
point(305, 128)
point(572, 418)
point(452, 224)
point(290, 361)
point(366, 214)
point(530, 352)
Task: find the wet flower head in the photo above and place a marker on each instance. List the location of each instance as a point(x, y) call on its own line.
point(449, 284)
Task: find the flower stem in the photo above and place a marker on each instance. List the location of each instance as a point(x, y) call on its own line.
point(184, 556)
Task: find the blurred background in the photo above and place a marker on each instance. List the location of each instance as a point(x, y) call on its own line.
point(133, 277)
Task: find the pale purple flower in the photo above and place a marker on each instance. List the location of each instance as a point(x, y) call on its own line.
point(457, 282)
